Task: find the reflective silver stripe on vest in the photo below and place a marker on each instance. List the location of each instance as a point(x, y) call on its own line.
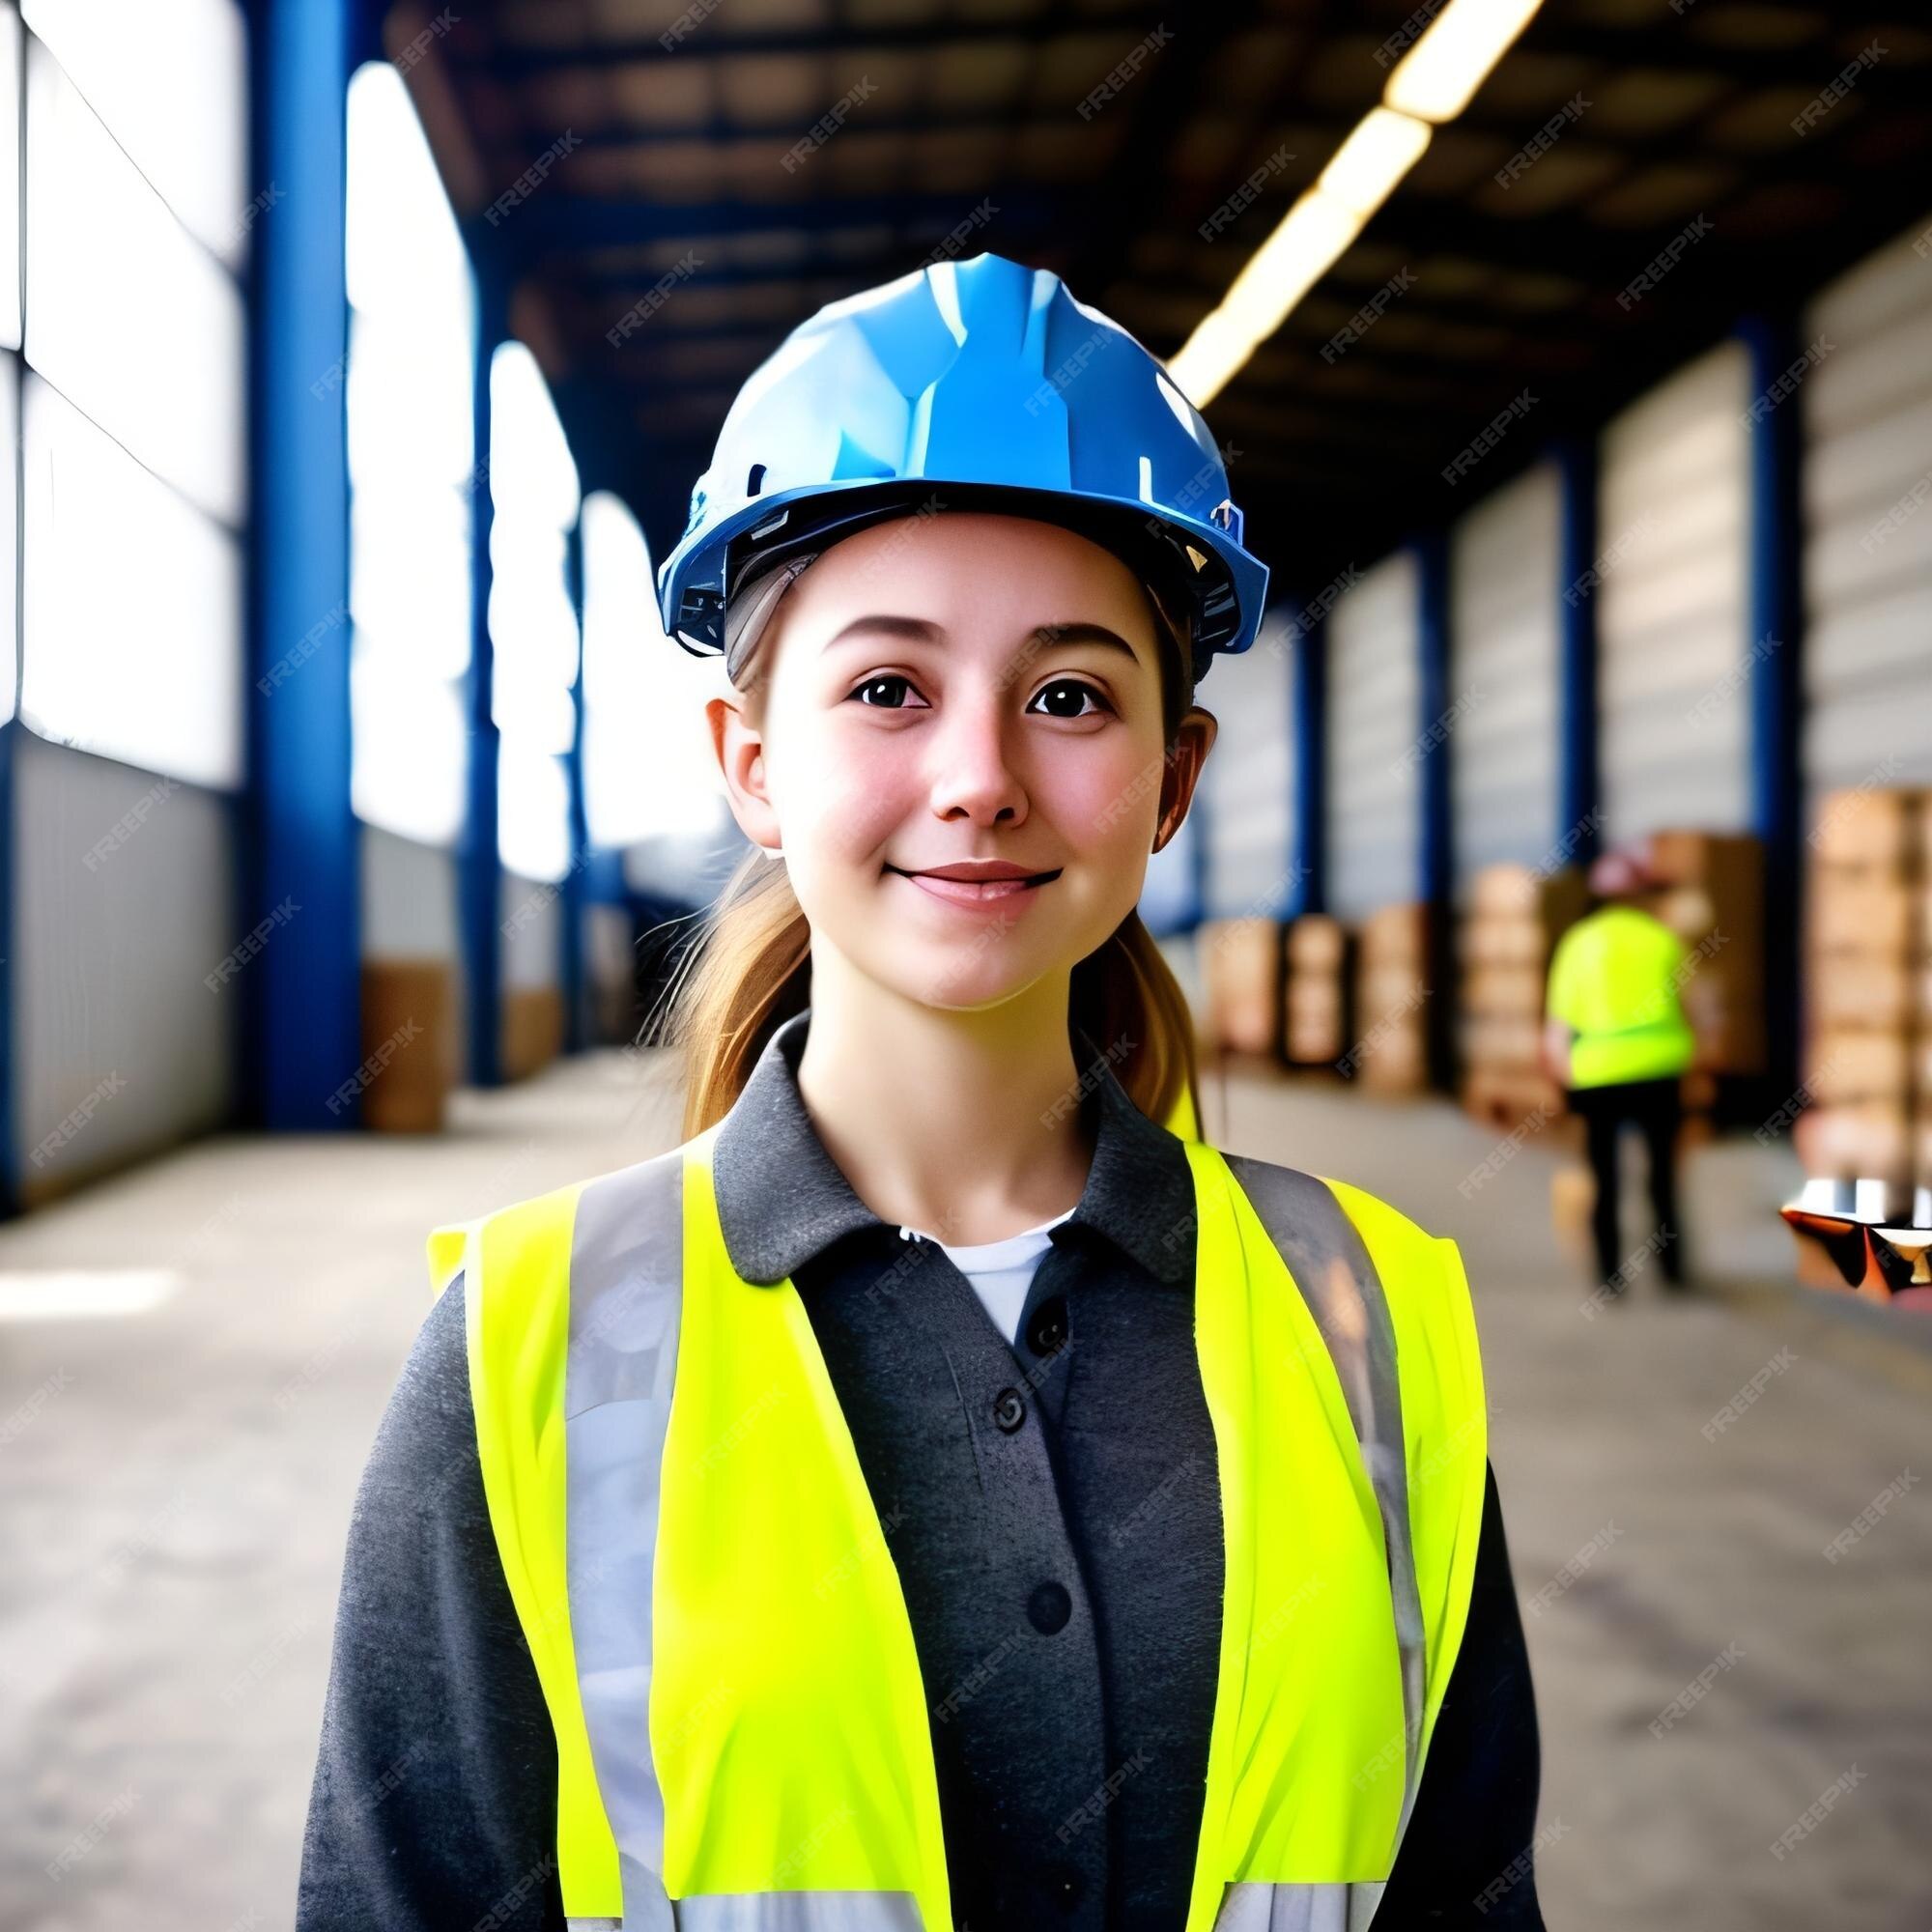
point(800, 1912)
point(626, 1295)
point(626, 1292)
point(1331, 1267)
point(783, 1912)
point(1256, 1906)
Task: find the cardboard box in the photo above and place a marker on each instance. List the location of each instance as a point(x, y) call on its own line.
point(1852, 989)
point(1511, 891)
point(1513, 991)
point(1870, 913)
point(1880, 829)
point(1242, 962)
point(1396, 935)
point(1316, 942)
point(409, 1025)
point(1870, 1140)
point(532, 1021)
point(1850, 1064)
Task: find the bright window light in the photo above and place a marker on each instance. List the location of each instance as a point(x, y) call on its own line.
point(533, 635)
point(1438, 77)
point(10, 442)
point(9, 178)
point(402, 243)
point(171, 83)
point(127, 316)
point(647, 765)
point(411, 746)
point(1368, 165)
point(533, 809)
point(412, 415)
point(412, 470)
point(133, 605)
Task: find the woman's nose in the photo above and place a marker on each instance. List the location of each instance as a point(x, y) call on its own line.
point(975, 770)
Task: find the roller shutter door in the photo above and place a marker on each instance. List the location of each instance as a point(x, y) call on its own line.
point(1374, 773)
point(1503, 645)
point(1868, 497)
point(1674, 661)
point(1249, 778)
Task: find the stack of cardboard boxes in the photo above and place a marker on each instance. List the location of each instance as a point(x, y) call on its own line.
point(1240, 972)
point(1869, 1036)
point(1515, 917)
point(1315, 1006)
point(1711, 897)
point(1390, 1052)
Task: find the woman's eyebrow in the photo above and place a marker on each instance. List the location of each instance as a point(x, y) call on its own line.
point(1042, 636)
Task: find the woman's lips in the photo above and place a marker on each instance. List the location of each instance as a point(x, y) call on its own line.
point(976, 891)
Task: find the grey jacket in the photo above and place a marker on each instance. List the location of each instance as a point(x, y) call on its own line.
point(1053, 1511)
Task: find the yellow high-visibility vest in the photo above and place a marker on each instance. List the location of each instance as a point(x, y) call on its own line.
point(743, 1733)
point(1615, 980)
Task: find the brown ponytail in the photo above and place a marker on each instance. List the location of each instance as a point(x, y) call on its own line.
point(750, 971)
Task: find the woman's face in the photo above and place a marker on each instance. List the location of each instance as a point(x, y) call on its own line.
point(940, 690)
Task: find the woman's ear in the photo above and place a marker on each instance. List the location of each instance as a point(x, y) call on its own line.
point(1194, 739)
point(739, 747)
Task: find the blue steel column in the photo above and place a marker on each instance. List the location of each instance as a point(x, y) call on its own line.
point(480, 887)
point(304, 1017)
point(1775, 642)
point(1578, 788)
point(575, 881)
point(1434, 829)
point(1309, 721)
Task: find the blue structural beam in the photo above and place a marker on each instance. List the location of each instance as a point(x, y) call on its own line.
point(575, 882)
point(303, 1017)
point(1308, 702)
point(480, 893)
point(1578, 829)
point(1775, 643)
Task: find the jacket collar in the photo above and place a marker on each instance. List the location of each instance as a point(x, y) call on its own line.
point(781, 1199)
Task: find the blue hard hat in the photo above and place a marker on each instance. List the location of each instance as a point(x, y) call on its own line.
point(977, 384)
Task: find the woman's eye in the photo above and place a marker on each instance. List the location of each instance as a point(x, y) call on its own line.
point(1067, 689)
point(889, 683)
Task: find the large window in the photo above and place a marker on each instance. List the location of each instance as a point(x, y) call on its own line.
point(533, 493)
point(412, 469)
point(649, 771)
point(132, 420)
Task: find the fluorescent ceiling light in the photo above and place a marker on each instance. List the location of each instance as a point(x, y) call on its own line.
point(1384, 146)
point(1299, 252)
point(1445, 69)
point(1434, 83)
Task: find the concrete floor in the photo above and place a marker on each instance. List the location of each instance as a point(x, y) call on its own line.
point(178, 1486)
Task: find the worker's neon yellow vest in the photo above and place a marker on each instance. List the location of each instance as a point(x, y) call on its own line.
point(718, 1623)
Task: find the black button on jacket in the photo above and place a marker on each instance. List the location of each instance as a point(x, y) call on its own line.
point(1053, 1511)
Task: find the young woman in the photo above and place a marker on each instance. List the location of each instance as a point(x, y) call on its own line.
point(938, 1493)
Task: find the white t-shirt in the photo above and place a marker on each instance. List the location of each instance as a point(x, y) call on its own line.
point(1001, 1271)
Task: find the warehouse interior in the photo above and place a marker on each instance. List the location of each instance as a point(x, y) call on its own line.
point(355, 379)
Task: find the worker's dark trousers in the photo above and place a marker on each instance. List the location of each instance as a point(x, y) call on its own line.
point(1655, 1106)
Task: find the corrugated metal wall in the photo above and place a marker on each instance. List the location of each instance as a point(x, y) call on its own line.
point(1373, 727)
point(1249, 778)
point(532, 913)
point(1503, 605)
point(125, 910)
point(1867, 496)
point(1674, 661)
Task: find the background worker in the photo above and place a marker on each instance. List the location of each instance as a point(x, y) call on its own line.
point(1616, 1037)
